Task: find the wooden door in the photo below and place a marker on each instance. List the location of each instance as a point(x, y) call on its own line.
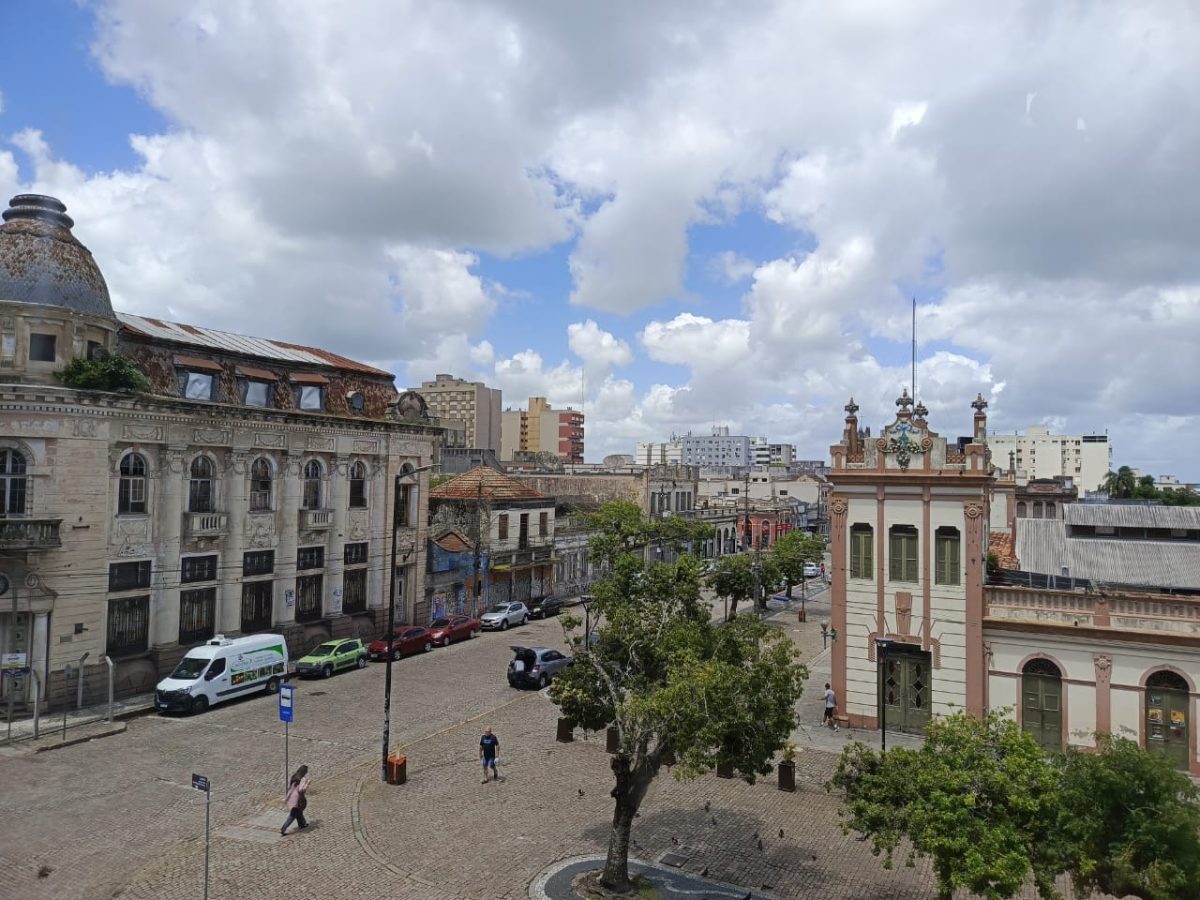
point(1041, 703)
point(1167, 719)
point(907, 688)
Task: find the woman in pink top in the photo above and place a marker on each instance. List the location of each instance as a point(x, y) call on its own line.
point(296, 799)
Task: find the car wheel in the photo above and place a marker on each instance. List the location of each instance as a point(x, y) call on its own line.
point(362, 662)
point(272, 685)
point(504, 624)
point(199, 705)
point(428, 646)
point(543, 681)
point(327, 671)
point(396, 654)
point(525, 620)
point(475, 633)
point(446, 641)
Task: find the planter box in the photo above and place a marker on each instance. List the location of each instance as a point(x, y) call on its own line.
point(787, 776)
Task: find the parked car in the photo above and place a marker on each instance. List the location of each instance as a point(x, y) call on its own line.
point(811, 570)
point(503, 615)
point(453, 628)
point(544, 607)
point(535, 666)
point(408, 639)
point(332, 656)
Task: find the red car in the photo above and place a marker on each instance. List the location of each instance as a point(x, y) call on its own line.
point(453, 628)
point(409, 639)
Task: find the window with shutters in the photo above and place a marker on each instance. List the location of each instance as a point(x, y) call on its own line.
point(503, 527)
point(543, 524)
point(862, 551)
point(947, 548)
point(902, 553)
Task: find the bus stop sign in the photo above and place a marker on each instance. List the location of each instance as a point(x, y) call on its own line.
point(286, 694)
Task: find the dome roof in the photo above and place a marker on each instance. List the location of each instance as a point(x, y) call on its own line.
point(41, 262)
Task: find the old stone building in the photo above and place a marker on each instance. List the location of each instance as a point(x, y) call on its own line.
point(249, 488)
point(920, 633)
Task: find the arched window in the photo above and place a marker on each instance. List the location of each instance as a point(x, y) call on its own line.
point(131, 491)
point(200, 487)
point(1051, 512)
point(862, 551)
point(358, 485)
point(12, 483)
point(260, 485)
point(312, 485)
point(1022, 511)
point(1041, 703)
point(1167, 717)
point(1037, 509)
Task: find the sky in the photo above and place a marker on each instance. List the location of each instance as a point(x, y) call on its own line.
point(673, 214)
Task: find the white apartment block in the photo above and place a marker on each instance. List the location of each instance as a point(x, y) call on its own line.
point(717, 449)
point(1039, 454)
point(657, 453)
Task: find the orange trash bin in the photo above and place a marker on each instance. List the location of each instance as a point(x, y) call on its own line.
point(397, 768)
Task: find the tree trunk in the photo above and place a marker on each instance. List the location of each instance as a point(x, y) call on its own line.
point(628, 793)
point(733, 602)
point(789, 590)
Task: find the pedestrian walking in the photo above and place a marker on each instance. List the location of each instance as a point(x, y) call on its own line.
point(489, 749)
point(296, 799)
point(830, 708)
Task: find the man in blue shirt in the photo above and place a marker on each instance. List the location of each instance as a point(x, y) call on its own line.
point(489, 748)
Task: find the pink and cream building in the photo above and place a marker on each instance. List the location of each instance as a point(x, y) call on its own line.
point(921, 632)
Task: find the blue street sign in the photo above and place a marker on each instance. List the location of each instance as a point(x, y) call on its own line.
point(286, 694)
point(200, 782)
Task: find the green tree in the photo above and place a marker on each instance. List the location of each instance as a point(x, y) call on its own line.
point(978, 798)
point(110, 373)
point(1130, 821)
point(792, 551)
point(1181, 497)
point(733, 577)
point(1120, 485)
point(1145, 489)
point(669, 679)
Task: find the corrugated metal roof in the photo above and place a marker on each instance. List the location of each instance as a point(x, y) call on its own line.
point(263, 348)
point(1132, 515)
point(485, 482)
point(1043, 546)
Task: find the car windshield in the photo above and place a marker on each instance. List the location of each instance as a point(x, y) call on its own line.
point(324, 650)
point(440, 623)
point(190, 668)
point(498, 609)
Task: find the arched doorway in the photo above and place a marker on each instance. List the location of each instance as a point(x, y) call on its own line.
point(1167, 725)
point(1041, 703)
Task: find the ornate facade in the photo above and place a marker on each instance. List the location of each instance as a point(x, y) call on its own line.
point(249, 489)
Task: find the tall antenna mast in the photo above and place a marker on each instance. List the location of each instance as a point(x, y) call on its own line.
point(914, 348)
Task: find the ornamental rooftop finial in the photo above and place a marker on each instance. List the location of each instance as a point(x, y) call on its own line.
point(979, 404)
point(851, 407)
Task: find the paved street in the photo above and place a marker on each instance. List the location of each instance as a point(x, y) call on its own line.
point(117, 817)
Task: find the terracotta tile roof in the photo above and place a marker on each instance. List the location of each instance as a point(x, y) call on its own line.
point(453, 542)
point(1001, 544)
point(485, 482)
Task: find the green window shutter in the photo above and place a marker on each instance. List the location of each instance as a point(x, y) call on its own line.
point(902, 562)
point(862, 555)
point(948, 551)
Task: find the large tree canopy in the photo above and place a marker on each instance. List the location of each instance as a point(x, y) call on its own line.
point(668, 678)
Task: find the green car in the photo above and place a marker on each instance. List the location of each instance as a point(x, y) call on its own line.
point(331, 656)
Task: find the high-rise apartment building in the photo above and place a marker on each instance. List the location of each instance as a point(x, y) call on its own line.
point(472, 403)
point(717, 449)
point(1037, 453)
point(542, 428)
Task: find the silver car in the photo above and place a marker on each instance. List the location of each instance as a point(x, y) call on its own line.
point(503, 615)
point(535, 666)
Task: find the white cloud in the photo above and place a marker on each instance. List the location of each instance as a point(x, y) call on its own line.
point(593, 344)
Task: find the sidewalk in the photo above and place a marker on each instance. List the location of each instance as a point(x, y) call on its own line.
point(50, 725)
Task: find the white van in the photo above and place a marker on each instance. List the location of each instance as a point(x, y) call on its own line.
point(221, 669)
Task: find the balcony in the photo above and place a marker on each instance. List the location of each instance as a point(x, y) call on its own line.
point(317, 518)
point(29, 534)
point(207, 524)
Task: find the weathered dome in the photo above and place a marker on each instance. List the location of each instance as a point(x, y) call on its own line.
point(41, 262)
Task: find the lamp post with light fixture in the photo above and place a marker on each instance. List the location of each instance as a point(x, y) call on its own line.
point(397, 486)
point(881, 648)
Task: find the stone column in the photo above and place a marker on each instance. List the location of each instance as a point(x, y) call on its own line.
point(229, 603)
point(291, 471)
point(380, 548)
point(172, 482)
point(339, 504)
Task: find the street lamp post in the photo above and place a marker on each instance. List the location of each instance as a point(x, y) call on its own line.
point(391, 618)
point(586, 600)
point(881, 648)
